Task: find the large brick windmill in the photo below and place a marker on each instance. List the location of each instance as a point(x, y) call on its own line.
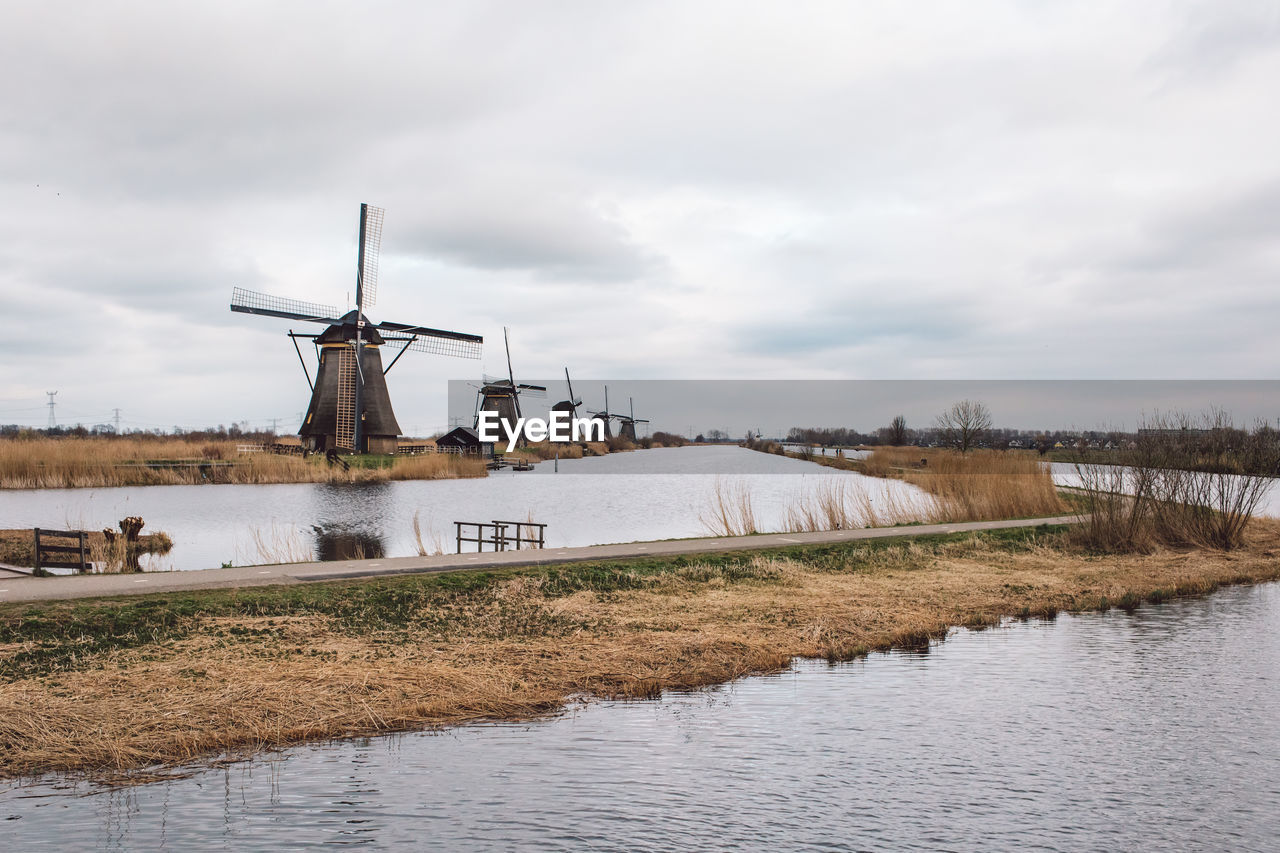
point(350, 410)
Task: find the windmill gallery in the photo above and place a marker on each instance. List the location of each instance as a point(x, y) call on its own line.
point(350, 408)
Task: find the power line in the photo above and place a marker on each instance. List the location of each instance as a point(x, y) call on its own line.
point(53, 422)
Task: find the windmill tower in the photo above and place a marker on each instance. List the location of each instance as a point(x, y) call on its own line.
point(627, 424)
point(570, 405)
point(503, 395)
point(350, 409)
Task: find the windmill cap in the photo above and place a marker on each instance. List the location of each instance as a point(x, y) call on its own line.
point(345, 330)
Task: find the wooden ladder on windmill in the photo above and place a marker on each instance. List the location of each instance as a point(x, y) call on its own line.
point(346, 432)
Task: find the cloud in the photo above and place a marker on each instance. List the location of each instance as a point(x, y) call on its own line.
point(663, 189)
point(507, 220)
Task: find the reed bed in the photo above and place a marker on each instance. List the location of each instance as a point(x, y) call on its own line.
point(731, 511)
point(840, 503)
point(982, 485)
point(979, 486)
point(544, 450)
point(51, 463)
point(435, 543)
point(277, 544)
point(987, 485)
point(162, 681)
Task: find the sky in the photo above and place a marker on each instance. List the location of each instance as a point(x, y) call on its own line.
point(688, 190)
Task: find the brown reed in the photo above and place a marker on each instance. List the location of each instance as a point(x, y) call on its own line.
point(51, 463)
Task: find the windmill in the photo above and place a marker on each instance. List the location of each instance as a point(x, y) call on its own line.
point(627, 425)
point(570, 405)
point(604, 415)
point(350, 408)
point(503, 395)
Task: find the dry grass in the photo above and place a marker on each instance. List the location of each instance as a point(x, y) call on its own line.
point(51, 463)
point(544, 450)
point(840, 503)
point(277, 545)
point(436, 545)
point(979, 486)
point(982, 485)
point(731, 511)
point(262, 669)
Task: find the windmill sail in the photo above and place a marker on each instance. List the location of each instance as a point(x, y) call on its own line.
point(252, 302)
point(370, 250)
point(436, 341)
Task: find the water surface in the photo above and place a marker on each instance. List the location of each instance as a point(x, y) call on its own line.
point(1150, 731)
point(622, 497)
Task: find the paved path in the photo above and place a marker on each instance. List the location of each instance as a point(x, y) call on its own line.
point(88, 586)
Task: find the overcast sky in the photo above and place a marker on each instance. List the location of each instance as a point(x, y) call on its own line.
point(639, 190)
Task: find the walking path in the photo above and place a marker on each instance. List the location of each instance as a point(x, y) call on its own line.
point(89, 586)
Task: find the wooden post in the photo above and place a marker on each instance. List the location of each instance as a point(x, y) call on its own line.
point(84, 565)
point(37, 547)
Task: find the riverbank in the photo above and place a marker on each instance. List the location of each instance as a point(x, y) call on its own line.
point(109, 687)
point(98, 462)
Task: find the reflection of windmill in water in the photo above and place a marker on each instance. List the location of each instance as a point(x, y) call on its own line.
point(503, 395)
point(350, 408)
point(627, 424)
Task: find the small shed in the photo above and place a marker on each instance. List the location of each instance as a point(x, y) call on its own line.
point(465, 441)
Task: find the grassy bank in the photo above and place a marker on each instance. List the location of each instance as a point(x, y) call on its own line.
point(53, 463)
point(112, 686)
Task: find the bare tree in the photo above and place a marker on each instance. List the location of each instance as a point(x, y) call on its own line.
point(1182, 482)
point(963, 425)
point(895, 434)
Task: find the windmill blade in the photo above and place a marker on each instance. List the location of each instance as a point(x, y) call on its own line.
point(370, 249)
point(532, 390)
point(510, 373)
point(436, 341)
point(252, 302)
point(574, 402)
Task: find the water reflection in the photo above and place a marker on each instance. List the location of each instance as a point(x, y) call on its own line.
point(1148, 730)
point(347, 542)
point(350, 519)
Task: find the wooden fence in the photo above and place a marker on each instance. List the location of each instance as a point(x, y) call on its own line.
point(52, 555)
point(502, 535)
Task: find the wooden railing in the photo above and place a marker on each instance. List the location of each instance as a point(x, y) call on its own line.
point(51, 555)
point(502, 535)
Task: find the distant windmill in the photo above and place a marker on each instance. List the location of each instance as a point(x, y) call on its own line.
point(627, 424)
point(503, 395)
point(350, 409)
point(604, 415)
point(570, 405)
